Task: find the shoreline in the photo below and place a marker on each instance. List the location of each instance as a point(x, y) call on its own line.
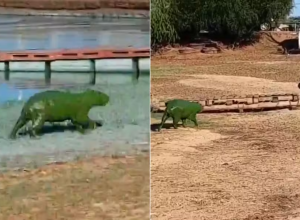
point(94, 13)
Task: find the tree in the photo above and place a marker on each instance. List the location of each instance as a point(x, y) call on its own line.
point(171, 20)
point(233, 20)
point(163, 29)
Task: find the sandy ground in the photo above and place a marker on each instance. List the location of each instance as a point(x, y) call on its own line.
point(93, 189)
point(236, 166)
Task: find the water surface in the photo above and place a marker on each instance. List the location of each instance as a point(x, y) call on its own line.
point(39, 33)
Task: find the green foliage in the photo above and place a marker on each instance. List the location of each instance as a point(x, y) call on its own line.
point(276, 9)
point(236, 20)
point(172, 19)
point(231, 18)
point(163, 15)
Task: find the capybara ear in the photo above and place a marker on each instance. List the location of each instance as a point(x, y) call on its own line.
point(299, 85)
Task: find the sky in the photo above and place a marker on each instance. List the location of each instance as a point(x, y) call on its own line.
point(296, 11)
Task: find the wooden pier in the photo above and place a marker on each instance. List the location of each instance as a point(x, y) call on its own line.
point(72, 55)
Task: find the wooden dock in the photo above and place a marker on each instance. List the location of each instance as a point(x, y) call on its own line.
point(72, 55)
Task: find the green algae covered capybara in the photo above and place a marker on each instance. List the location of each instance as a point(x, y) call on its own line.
point(58, 106)
point(179, 109)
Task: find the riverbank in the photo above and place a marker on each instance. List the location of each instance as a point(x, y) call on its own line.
point(85, 8)
point(95, 13)
point(76, 4)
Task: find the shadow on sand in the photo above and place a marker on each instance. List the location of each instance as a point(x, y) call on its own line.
point(155, 126)
point(56, 128)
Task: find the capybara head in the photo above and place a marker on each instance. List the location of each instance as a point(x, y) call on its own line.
point(97, 97)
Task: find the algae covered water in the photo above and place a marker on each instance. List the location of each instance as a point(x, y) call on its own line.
point(125, 130)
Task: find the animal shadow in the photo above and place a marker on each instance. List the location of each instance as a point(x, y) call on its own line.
point(56, 128)
point(155, 126)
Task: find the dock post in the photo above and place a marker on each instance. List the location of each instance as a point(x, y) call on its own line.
point(93, 72)
point(6, 70)
point(47, 72)
point(136, 69)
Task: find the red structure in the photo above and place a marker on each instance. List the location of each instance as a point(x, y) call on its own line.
point(75, 54)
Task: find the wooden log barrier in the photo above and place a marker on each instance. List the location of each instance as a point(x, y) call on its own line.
point(241, 104)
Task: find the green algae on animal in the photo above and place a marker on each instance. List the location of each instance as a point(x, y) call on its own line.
point(179, 109)
point(58, 106)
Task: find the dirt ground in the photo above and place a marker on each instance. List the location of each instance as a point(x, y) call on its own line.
point(93, 189)
point(236, 166)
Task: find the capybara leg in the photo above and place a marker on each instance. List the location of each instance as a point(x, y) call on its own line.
point(176, 120)
point(183, 122)
point(37, 125)
point(92, 124)
point(82, 122)
point(20, 123)
point(88, 124)
point(98, 123)
point(163, 120)
point(79, 128)
point(194, 119)
point(176, 115)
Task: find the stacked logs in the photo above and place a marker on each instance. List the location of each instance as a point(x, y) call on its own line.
point(242, 103)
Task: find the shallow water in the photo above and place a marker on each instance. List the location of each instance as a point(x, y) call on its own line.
point(125, 130)
point(42, 33)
